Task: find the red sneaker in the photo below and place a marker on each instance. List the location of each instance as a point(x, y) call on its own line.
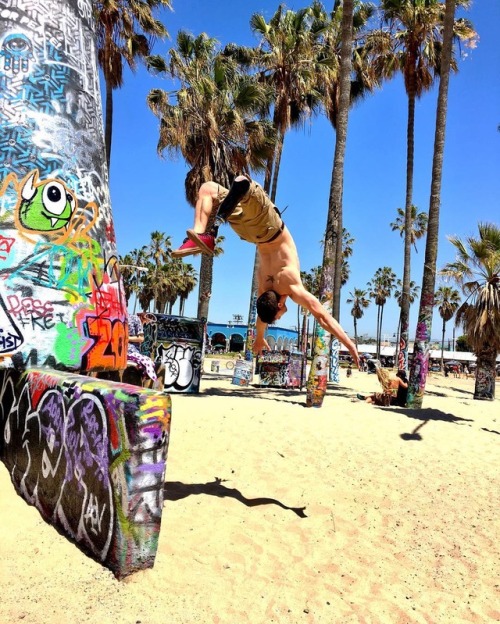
point(205, 242)
point(188, 248)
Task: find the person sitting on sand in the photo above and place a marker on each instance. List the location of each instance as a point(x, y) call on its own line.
point(253, 216)
point(398, 383)
point(144, 363)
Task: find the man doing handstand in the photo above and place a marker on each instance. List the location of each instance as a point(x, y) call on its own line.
point(253, 216)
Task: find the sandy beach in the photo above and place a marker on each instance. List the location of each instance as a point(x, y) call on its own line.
point(278, 513)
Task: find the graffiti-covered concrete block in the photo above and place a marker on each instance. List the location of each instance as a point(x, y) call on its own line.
point(243, 373)
point(61, 298)
point(90, 455)
point(281, 369)
point(176, 342)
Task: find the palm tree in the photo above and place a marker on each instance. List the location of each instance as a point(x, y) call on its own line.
point(216, 122)
point(131, 267)
point(380, 289)
point(398, 292)
point(311, 281)
point(166, 286)
point(359, 304)
point(417, 35)
point(447, 299)
point(418, 225)
point(286, 62)
point(146, 292)
point(419, 365)
point(126, 30)
point(477, 270)
point(347, 251)
point(402, 348)
point(158, 254)
point(187, 282)
point(332, 254)
point(357, 82)
point(206, 279)
point(158, 251)
point(128, 275)
point(138, 257)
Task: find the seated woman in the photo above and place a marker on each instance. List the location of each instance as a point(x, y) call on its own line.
point(144, 363)
point(395, 389)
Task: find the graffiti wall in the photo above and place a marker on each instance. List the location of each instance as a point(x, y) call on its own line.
point(61, 301)
point(243, 373)
point(175, 343)
point(90, 455)
point(282, 370)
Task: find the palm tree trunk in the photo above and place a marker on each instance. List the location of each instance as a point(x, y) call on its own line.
point(377, 337)
point(442, 345)
point(303, 343)
point(277, 162)
point(405, 295)
point(272, 164)
point(399, 365)
point(316, 384)
point(205, 287)
point(485, 374)
point(420, 361)
point(380, 331)
point(356, 333)
point(252, 312)
point(108, 130)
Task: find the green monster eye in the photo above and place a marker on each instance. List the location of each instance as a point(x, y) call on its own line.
point(47, 207)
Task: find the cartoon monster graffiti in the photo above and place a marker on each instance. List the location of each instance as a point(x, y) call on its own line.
point(45, 206)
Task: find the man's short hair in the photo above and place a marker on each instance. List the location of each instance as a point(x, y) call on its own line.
point(267, 306)
point(402, 375)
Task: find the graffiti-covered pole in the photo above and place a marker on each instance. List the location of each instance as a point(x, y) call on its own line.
point(61, 300)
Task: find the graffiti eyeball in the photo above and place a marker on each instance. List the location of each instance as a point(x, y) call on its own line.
point(18, 45)
point(55, 197)
point(17, 50)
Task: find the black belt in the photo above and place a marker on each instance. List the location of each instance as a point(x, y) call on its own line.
point(275, 235)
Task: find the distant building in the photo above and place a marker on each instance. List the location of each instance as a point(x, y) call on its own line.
point(232, 337)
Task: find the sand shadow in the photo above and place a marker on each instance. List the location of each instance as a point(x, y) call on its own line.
point(253, 392)
point(175, 490)
point(490, 430)
point(453, 388)
point(425, 416)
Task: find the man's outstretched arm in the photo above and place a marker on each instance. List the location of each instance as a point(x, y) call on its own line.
point(326, 320)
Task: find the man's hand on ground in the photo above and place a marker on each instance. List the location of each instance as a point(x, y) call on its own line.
point(259, 345)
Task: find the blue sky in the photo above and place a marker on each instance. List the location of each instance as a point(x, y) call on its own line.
point(147, 192)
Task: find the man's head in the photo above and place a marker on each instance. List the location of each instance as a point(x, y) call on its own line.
point(270, 306)
point(402, 375)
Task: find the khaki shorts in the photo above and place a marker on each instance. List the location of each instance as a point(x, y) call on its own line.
point(255, 218)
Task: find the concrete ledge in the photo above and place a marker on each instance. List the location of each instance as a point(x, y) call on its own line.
point(90, 455)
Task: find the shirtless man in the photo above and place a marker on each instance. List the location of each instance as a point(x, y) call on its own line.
point(255, 219)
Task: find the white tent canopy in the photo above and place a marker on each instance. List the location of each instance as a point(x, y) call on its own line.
point(435, 354)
